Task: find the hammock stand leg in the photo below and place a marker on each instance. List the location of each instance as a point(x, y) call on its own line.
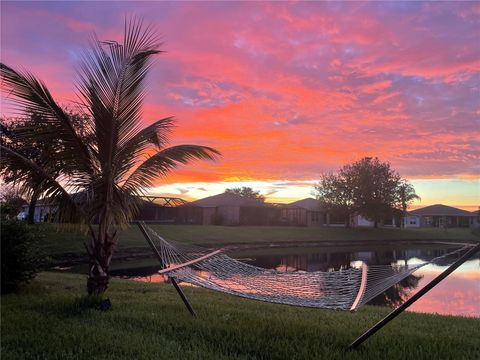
point(141, 226)
point(414, 298)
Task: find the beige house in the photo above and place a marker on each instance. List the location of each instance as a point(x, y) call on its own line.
point(233, 209)
point(441, 216)
point(305, 212)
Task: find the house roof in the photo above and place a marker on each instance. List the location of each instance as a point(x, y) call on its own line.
point(227, 199)
point(307, 203)
point(440, 210)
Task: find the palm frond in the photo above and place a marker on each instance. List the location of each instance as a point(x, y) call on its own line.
point(163, 162)
point(129, 153)
point(112, 86)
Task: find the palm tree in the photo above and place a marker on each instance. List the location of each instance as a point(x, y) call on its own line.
point(406, 195)
point(117, 159)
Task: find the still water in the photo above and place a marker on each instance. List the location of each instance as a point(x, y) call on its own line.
point(458, 294)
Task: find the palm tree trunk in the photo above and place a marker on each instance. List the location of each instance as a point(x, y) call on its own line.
point(100, 252)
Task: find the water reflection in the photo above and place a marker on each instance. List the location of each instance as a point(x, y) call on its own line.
point(457, 295)
point(397, 294)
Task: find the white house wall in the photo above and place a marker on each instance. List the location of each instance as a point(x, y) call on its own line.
point(40, 212)
point(361, 221)
point(411, 221)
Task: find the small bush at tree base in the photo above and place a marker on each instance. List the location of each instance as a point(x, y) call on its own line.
point(21, 256)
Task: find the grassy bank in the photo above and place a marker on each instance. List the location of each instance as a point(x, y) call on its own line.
point(58, 243)
point(148, 321)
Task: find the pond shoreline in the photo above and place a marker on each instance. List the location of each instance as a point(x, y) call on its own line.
point(72, 259)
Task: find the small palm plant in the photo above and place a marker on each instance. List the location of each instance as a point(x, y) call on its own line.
point(406, 195)
point(113, 159)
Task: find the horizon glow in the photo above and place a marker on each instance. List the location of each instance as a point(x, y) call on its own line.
point(288, 91)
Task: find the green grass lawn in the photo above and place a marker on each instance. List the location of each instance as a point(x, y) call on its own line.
point(60, 242)
point(48, 320)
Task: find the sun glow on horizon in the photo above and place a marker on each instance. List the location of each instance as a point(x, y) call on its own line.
point(461, 193)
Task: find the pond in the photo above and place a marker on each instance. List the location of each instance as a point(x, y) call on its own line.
point(458, 294)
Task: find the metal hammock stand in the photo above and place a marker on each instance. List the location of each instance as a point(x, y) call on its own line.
point(346, 289)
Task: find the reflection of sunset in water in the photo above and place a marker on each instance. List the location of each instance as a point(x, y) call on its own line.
point(154, 278)
point(458, 294)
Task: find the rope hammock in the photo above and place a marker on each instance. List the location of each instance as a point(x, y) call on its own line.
point(345, 289)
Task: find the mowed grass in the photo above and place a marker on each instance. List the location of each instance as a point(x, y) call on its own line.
point(49, 320)
point(62, 241)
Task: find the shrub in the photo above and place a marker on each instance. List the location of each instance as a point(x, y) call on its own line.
point(21, 256)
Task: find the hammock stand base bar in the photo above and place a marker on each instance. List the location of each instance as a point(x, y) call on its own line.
point(141, 226)
point(414, 298)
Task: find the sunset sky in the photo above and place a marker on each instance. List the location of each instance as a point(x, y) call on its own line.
point(288, 91)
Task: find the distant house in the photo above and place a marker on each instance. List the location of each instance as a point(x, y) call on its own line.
point(44, 211)
point(475, 222)
point(305, 212)
point(411, 221)
point(233, 209)
point(440, 216)
point(309, 212)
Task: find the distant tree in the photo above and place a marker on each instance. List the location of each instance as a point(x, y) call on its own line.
point(246, 192)
point(24, 135)
point(368, 187)
point(405, 197)
point(117, 159)
point(375, 187)
point(336, 196)
point(11, 202)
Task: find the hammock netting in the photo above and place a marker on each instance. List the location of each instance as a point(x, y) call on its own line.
point(345, 289)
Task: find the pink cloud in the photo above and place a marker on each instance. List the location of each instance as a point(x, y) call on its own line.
point(376, 86)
